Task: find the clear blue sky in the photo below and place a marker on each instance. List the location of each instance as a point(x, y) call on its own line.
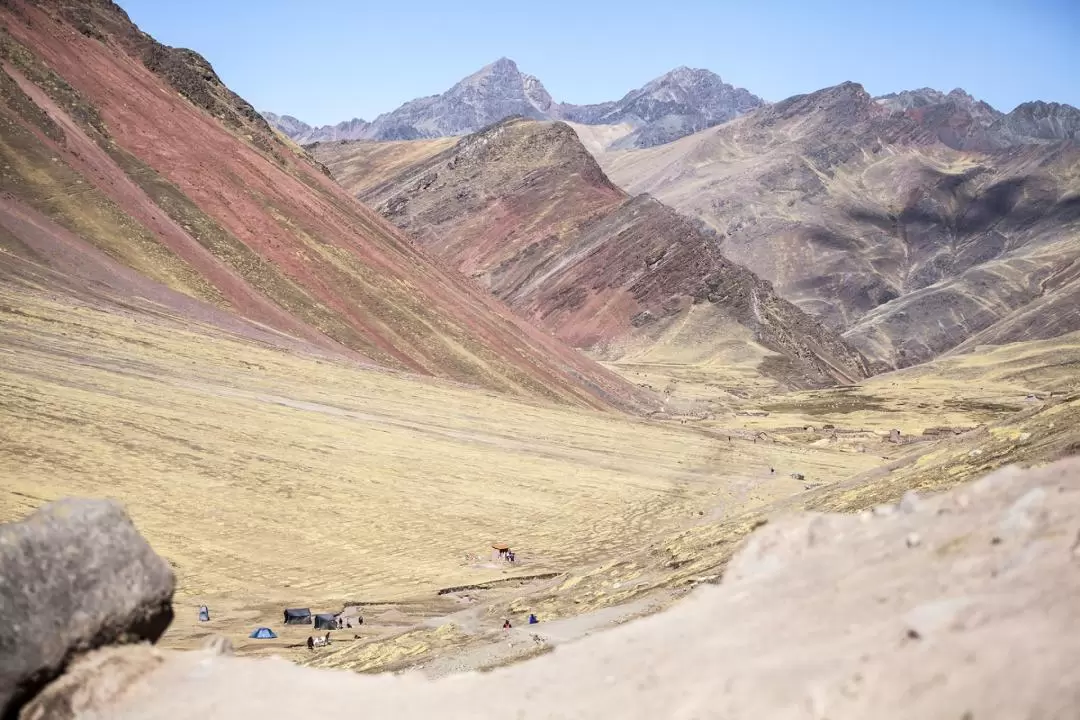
point(330, 60)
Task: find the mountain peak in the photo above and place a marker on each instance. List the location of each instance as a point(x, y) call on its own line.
point(678, 103)
point(683, 72)
point(504, 66)
point(1040, 121)
point(837, 106)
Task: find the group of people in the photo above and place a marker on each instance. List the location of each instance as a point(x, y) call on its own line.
point(532, 621)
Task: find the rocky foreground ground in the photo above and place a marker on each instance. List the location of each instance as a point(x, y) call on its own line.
point(961, 605)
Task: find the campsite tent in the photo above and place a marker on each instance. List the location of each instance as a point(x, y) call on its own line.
point(297, 616)
point(263, 633)
point(204, 613)
point(326, 621)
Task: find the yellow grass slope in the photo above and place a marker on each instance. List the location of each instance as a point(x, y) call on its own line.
point(270, 478)
point(361, 165)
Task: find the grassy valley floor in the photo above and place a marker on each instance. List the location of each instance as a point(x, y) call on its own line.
point(272, 478)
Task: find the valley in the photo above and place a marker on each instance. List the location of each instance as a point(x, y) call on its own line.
point(492, 355)
point(273, 477)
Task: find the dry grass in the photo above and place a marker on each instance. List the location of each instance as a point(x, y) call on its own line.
point(362, 166)
point(271, 479)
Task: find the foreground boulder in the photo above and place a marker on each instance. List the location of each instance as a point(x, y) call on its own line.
point(74, 576)
point(958, 606)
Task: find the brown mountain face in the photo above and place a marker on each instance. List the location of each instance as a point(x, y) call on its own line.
point(863, 217)
point(132, 177)
point(524, 209)
point(964, 123)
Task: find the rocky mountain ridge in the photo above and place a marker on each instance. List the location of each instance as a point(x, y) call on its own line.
point(679, 103)
point(676, 104)
point(524, 209)
point(302, 133)
point(964, 123)
point(861, 212)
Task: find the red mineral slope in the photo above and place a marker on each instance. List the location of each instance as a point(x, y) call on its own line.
point(147, 161)
point(525, 209)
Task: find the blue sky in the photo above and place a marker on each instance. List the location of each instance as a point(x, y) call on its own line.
point(330, 60)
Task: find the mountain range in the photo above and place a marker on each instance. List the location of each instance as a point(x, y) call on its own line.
point(865, 214)
point(672, 106)
point(913, 224)
point(678, 103)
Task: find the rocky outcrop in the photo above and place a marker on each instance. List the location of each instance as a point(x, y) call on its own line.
point(961, 605)
point(74, 576)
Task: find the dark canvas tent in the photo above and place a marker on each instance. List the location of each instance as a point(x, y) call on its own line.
point(263, 633)
point(204, 613)
point(297, 616)
point(326, 621)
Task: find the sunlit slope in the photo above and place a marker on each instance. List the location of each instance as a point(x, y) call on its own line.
point(362, 165)
point(138, 150)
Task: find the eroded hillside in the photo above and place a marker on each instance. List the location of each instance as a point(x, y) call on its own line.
point(121, 154)
point(524, 209)
point(863, 217)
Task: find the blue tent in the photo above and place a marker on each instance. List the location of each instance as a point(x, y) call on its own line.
point(263, 633)
point(204, 614)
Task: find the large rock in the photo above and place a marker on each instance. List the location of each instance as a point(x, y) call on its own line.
point(74, 576)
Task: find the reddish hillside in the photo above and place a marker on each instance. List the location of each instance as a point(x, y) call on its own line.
point(135, 156)
point(524, 208)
